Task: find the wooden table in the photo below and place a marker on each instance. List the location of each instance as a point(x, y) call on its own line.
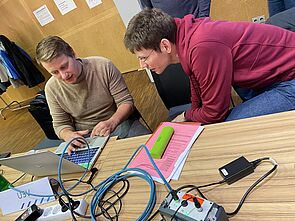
point(219, 144)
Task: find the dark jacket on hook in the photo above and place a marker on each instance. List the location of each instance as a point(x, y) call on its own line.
point(29, 73)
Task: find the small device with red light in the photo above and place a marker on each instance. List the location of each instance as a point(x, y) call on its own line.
point(191, 208)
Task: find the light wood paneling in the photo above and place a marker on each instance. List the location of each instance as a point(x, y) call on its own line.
point(18, 25)
point(146, 98)
point(242, 10)
point(97, 31)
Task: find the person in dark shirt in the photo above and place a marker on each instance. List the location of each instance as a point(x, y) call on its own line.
point(285, 19)
point(179, 8)
point(277, 6)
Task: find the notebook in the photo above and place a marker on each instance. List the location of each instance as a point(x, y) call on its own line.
point(45, 162)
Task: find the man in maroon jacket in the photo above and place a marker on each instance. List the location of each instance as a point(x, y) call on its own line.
point(217, 55)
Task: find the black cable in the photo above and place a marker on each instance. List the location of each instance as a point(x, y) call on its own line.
point(256, 162)
point(174, 214)
point(18, 178)
point(68, 205)
point(212, 184)
point(126, 186)
point(192, 187)
point(105, 204)
point(93, 171)
point(154, 215)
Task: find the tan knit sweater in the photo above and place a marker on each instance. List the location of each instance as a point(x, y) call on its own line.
point(101, 89)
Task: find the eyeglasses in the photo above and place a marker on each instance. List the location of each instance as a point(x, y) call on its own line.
point(144, 59)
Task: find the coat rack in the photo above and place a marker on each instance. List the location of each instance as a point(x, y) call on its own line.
point(9, 107)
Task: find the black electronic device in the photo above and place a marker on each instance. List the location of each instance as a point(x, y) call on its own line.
point(54, 184)
point(4, 155)
point(191, 208)
point(236, 170)
point(31, 214)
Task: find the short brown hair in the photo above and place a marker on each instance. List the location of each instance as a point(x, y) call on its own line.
point(148, 28)
point(52, 47)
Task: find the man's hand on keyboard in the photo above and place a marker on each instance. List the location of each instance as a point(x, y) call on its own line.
point(68, 135)
point(104, 128)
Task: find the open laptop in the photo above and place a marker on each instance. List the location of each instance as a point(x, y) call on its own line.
point(45, 162)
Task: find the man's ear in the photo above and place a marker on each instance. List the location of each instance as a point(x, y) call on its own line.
point(166, 46)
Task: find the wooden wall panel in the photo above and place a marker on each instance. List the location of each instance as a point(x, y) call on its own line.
point(96, 31)
point(17, 24)
point(238, 10)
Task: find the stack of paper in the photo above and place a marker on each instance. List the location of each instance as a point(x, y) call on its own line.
point(175, 154)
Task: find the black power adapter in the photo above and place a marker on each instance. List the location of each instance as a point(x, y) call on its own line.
point(236, 170)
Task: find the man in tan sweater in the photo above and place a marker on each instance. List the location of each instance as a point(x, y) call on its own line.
point(85, 95)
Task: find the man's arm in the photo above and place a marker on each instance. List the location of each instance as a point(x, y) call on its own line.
point(179, 118)
point(213, 71)
point(67, 134)
point(61, 119)
point(104, 128)
point(62, 122)
point(124, 102)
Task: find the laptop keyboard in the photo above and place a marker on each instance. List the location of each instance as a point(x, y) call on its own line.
point(81, 156)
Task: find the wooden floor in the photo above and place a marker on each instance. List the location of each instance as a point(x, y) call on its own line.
point(20, 132)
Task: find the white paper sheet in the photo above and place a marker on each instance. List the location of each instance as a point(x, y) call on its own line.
point(65, 6)
point(12, 201)
point(93, 3)
point(43, 15)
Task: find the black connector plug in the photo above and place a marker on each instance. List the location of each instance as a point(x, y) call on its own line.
point(174, 195)
point(236, 170)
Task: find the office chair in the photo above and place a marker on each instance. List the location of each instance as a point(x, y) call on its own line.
point(173, 86)
point(39, 109)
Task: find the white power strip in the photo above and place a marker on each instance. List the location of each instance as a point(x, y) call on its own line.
point(54, 213)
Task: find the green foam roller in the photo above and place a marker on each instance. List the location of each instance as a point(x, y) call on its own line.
point(161, 143)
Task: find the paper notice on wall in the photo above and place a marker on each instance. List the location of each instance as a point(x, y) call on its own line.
point(43, 15)
point(65, 6)
point(93, 3)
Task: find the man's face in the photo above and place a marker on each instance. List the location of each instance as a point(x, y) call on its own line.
point(64, 68)
point(156, 61)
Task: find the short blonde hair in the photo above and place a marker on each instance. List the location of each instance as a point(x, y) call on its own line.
point(52, 47)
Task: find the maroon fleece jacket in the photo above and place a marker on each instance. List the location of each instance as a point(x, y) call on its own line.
point(219, 54)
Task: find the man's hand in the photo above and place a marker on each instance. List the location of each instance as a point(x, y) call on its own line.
point(68, 135)
point(179, 118)
point(104, 128)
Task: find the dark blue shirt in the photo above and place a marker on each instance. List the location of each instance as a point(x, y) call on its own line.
point(179, 8)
